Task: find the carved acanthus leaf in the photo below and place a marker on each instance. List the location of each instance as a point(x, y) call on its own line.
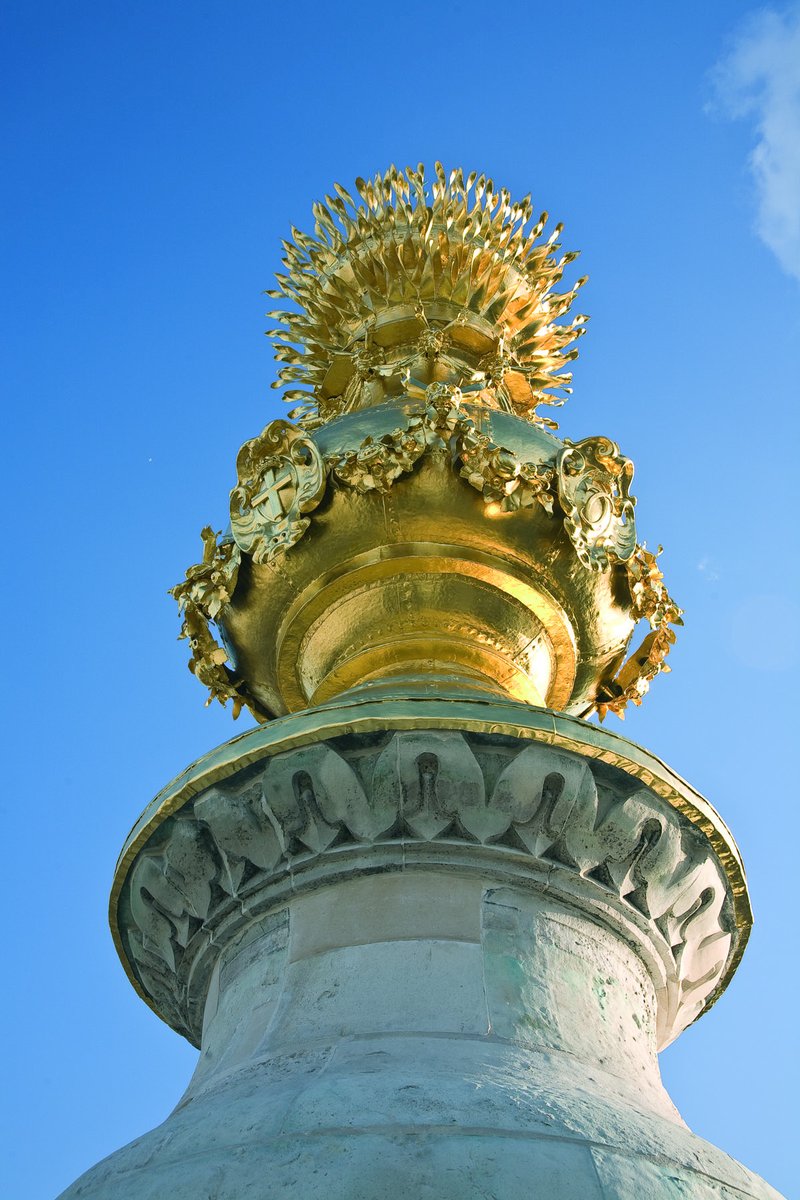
point(438, 780)
point(311, 794)
point(429, 785)
point(242, 832)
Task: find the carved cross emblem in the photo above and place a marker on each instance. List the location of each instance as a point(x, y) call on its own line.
point(281, 477)
point(272, 497)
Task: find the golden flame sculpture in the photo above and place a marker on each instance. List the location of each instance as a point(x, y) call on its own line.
point(453, 273)
point(416, 517)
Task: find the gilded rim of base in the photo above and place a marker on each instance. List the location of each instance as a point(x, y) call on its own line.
point(361, 714)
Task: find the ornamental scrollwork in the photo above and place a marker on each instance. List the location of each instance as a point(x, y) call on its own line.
point(281, 477)
point(594, 493)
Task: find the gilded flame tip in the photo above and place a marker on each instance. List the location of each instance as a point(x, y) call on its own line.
point(446, 280)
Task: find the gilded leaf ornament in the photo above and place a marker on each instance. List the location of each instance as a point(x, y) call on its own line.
point(202, 596)
point(211, 583)
point(281, 477)
point(652, 603)
point(377, 463)
point(497, 473)
point(208, 660)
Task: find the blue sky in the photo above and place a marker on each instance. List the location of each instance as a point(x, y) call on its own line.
point(155, 155)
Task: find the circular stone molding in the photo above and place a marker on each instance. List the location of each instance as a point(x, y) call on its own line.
point(519, 795)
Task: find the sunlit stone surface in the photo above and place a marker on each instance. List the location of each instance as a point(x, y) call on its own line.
point(438, 977)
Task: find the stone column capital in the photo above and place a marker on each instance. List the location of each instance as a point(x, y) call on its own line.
point(555, 805)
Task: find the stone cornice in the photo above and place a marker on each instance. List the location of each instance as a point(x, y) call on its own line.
point(571, 820)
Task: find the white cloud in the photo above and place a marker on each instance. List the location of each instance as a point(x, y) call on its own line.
point(759, 79)
point(708, 569)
